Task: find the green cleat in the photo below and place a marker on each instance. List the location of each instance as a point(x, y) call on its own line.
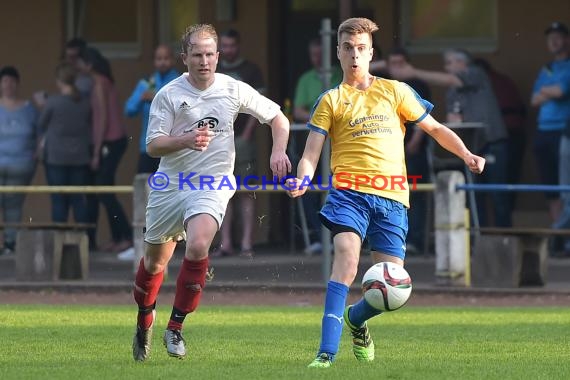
point(362, 344)
point(323, 360)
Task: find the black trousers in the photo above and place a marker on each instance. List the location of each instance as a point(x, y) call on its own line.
point(110, 157)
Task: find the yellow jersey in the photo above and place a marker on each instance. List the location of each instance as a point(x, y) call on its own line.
point(367, 128)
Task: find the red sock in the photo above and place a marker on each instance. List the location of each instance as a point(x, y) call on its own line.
point(189, 285)
point(145, 292)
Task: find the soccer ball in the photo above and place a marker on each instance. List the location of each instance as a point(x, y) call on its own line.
point(386, 286)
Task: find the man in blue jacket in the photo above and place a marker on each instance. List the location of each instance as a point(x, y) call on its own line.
point(140, 99)
point(551, 96)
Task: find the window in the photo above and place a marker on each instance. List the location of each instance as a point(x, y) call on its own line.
point(175, 17)
point(112, 26)
point(431, 25)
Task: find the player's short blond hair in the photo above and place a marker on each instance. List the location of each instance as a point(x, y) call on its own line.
point(357, 25)
point(202, 30)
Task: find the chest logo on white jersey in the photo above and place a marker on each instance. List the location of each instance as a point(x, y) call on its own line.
point(209, 122)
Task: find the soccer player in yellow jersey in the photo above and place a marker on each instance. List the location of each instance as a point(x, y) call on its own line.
point(365, 118)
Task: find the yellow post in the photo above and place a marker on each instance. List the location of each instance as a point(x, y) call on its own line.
point(467, 249)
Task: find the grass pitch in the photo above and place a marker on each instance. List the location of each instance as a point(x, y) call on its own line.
point(94, 342)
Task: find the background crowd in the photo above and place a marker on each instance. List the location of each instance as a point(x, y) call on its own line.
point(79, 135)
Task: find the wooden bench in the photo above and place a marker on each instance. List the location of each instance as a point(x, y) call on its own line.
point(51, 251)
point(511, 257)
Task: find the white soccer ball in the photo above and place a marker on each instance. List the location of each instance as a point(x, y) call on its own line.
point(386, 286)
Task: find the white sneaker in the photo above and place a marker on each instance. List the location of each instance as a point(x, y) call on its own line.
point(127, 255)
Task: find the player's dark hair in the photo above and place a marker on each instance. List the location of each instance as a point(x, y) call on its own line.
point(357, 25)
point(10, 71)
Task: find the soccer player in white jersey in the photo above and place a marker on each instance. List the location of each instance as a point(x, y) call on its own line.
point(191, 129)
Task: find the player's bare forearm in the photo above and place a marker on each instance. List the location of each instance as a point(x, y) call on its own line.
point(280, 133)
point(444, 137)
point(198, 139)
point(451, 142)
point(165, 145)
point(311, 154)
point(307, 164)
point(306, 168)
point(305, 172)
point(279, 162)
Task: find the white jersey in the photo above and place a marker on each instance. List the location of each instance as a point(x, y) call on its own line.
point(179, 108)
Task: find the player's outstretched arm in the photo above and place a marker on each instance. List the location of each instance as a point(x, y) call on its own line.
point(307, 164)
point(197, 139)
point(451, 142)
point(279, 162)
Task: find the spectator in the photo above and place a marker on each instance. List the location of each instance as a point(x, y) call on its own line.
point(141, 98)
point(309, 87)
point(470, 98)
point(415, 145)
point(65, 122)
point(239, 68)
point(71, 54)
point(18, 137)
point(109, 145)
point(513, 112)
point(550, 95)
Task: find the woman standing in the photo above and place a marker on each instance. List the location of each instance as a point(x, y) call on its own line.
point(66, 123)
point(18, 137)
point(109, 145)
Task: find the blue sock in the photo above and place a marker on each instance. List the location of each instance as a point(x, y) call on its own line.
point(361, 312)
point(335, 301)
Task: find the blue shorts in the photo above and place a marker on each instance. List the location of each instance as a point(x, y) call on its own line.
point(384, 222)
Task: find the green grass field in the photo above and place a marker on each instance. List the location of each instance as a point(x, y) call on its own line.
point(83, 342)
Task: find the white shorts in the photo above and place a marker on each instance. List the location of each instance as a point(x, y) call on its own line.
point(167, 211)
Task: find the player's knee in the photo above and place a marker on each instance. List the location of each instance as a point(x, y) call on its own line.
point(345, 268)
point(153, 266)
point(197, 248)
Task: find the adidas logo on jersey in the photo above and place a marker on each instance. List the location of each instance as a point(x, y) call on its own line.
point(184, 106)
